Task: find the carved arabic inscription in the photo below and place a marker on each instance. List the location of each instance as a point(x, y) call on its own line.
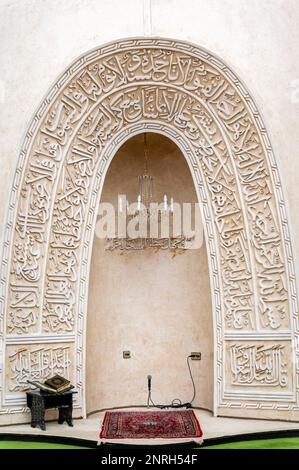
point(196, 98)
point(254, 365)
point(37, 363)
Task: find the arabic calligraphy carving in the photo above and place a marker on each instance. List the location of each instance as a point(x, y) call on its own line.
point(254, 365)
point(37, 363)
point(130, 244)
point(151, 83)
point(192, 115)
point(199, 126)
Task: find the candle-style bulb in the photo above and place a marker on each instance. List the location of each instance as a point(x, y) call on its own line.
point(171, 204)
point(165, 202)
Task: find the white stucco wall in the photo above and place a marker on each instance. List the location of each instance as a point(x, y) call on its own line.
point(258, 39)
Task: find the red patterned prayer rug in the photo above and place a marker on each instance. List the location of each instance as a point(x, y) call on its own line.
point(180, 425)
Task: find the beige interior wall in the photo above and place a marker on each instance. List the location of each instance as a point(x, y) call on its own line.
point(151, 303)
point(258, 39)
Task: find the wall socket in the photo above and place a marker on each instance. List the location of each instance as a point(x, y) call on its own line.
point(195, 356)
point(126, 354)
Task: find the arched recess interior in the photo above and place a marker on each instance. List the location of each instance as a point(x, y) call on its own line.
point(186, 93)
point(138, 301)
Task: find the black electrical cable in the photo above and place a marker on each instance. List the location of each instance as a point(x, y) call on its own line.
point(176, 402)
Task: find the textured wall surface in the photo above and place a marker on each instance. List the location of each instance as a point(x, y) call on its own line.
point(258, 39)
point(139, 301)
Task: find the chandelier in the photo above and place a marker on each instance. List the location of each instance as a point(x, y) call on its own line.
point(151, 215)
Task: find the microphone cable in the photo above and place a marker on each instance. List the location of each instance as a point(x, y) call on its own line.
point(176, 402)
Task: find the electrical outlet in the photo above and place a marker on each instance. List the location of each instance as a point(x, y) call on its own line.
point(195, 356)
point(126, 354)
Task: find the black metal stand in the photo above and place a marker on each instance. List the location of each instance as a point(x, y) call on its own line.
point(39, 401)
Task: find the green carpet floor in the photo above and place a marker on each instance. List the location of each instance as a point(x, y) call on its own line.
point(36, 445)
point(279, 443)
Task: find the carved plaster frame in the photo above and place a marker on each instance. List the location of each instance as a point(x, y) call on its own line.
point(240, 400)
